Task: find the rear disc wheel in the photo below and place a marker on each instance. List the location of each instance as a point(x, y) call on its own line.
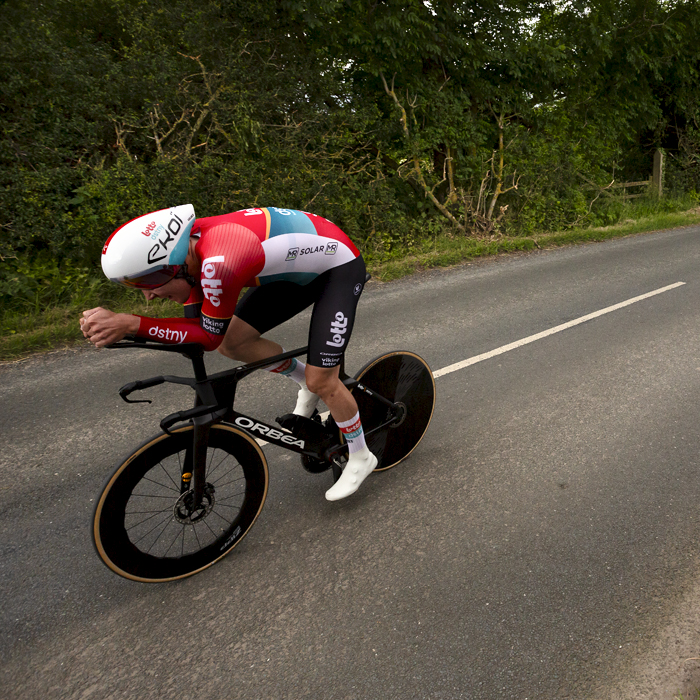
point(405, 379)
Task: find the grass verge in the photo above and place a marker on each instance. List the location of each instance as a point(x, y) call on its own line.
point(28, 332)
point(444, 251)
point(23, 334)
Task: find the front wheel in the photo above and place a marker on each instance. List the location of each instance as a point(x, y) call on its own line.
point(144, 527)
point(406, 379)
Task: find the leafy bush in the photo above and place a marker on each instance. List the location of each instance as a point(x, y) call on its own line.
point(395, 120)
point(42, 281)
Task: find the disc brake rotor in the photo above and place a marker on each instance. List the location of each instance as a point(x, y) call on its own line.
point(185, 513)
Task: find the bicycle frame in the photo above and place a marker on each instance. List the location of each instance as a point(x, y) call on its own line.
point(214, 400)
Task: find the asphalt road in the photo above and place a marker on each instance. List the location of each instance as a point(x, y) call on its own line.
point(542, 542)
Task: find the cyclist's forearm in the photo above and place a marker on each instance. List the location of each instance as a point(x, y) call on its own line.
point(174, 331)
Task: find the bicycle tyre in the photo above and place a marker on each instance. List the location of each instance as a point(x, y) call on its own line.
point(138, 530)
point(400, 377)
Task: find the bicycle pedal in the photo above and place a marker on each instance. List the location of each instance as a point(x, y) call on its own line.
point(314, 466)
point(306, 429)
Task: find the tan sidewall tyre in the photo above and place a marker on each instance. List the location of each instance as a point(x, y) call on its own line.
point(165, 546)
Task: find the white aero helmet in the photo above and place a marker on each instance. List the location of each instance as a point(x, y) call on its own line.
point(147, 252)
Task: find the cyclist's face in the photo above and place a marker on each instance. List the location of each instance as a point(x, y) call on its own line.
point(176, 290)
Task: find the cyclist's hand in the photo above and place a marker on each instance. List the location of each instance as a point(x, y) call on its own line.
point(102, 327)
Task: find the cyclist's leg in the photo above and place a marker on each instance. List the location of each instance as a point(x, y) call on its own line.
point(259, 310)
point(243, 342)
point(331, 326)
point(330, 329)
point(325, 382)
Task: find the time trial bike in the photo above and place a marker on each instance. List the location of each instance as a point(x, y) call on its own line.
point(186, 497)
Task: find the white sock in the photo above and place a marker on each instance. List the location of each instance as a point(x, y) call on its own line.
point(292, 368)
point(306, 402)
point(353, 434)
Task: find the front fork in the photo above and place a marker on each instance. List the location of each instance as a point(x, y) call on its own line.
point(194, 468)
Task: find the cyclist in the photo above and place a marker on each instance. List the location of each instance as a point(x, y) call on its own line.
point(289, 259)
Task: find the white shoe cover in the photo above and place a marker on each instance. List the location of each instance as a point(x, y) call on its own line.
point(306, 402)
point(356, 471)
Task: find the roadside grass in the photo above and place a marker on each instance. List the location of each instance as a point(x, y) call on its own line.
point(444, 251)
point(34, 329)
point(695, 696)
point(23, 333)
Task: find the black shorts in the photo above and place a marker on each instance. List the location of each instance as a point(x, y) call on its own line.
point(334, 294)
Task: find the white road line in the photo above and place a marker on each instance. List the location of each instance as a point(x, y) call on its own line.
point(551, 331)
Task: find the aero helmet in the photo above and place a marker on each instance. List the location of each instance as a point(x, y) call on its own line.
point(148, 251)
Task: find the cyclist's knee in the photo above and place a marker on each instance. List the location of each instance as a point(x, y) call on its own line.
point(321, 380)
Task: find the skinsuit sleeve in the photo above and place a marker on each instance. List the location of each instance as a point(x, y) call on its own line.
point(230, 255)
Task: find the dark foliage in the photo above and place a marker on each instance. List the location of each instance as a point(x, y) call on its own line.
point(390, 117)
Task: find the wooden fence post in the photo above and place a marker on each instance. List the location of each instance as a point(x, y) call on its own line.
point(657, 185)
